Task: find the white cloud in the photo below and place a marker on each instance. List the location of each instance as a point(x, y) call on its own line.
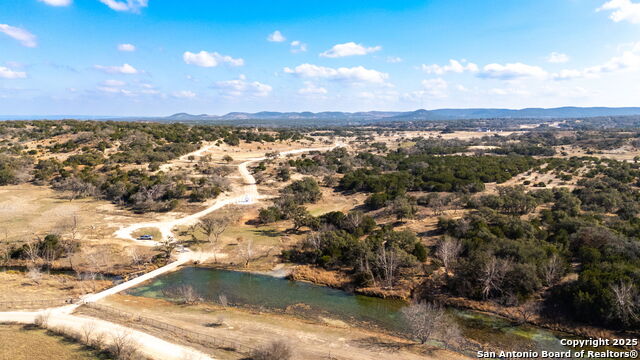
point(113, 83)
point(454, 66)
point(210, 59)
point(568, 74)
point(298, 46)
point(628, 61)
point(349, 49)
point(511, 71)
point(622, 10)
point(557, 58)
point(242, 87)
point(431, 88)
point(184, 94)
point(128, 5)
point(438, 83)
point(126, 47)
point(115, 90)
point(6, 73)
point(353, 74)
point(312, 89)
point(57, 2)
point(378, 95)
point(117, 87)
point(23, 36)
point(276, 36)
point(125, 69)
point(394, 59)
point(508, 91)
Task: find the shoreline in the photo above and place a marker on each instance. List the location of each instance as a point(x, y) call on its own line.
point(568, 328)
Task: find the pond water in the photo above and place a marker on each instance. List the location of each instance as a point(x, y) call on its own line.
point(309, 300)
point(248, 289)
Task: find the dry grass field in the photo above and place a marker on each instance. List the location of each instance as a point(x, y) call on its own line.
point(18, 342)
point(310, 339)
point(19, 286)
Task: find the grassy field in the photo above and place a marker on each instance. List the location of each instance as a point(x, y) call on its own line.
point(28, 209)
point(16, 286)
point(19, 342)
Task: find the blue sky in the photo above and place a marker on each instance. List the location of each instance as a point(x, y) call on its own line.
point(158, 57)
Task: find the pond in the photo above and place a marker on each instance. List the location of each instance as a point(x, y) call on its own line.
point(304, 299)
point(248, 289)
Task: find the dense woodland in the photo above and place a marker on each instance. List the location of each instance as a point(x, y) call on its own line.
point(511, 248)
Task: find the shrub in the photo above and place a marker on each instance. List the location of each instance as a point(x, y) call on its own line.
point(277, 350)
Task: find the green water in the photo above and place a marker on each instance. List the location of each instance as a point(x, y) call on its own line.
point(247, 289)
point(304, 299)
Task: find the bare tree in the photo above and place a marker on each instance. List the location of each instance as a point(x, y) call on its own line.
point(5, 252)
point(74, 226)
point(98, 340)
point(213, 227)
point(354, 220)
point(76, 187)
point(424, 319)
point(527, 311)
point(247, 252)
point(42, 319)
point(166, 246)
point(87, 332)
point(70, 244)
point(222, 298)
point(313, 241)
point(492, 275)
point(552, 270)
point(437, 205)
point(448, 251)
point(186, 294)
point(134, 255)
point(449, 333)
point(389, 261)
point(32, 251)
point(123, 347)
point(277, 350)
point(626, 302)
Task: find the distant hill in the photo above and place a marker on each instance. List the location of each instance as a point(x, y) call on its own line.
point(338, 118)
point(417, 115)
point(306, 115)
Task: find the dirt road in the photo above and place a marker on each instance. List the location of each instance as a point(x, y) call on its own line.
point(150, 346)
point(245, 195)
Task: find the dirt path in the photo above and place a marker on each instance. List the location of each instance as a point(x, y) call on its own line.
point(245, 195)
point(150, 346)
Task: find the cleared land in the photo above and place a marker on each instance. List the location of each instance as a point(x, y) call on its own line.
point(18, 342)
point(310, 340)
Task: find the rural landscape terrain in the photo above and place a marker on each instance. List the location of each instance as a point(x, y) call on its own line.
point(428, 240)
point(333, 180)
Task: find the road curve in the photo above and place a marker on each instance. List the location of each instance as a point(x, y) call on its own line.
point(247, 195)
point(149, 345)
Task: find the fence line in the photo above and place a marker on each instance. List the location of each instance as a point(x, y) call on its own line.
point(21, 304)
point(198, 337)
